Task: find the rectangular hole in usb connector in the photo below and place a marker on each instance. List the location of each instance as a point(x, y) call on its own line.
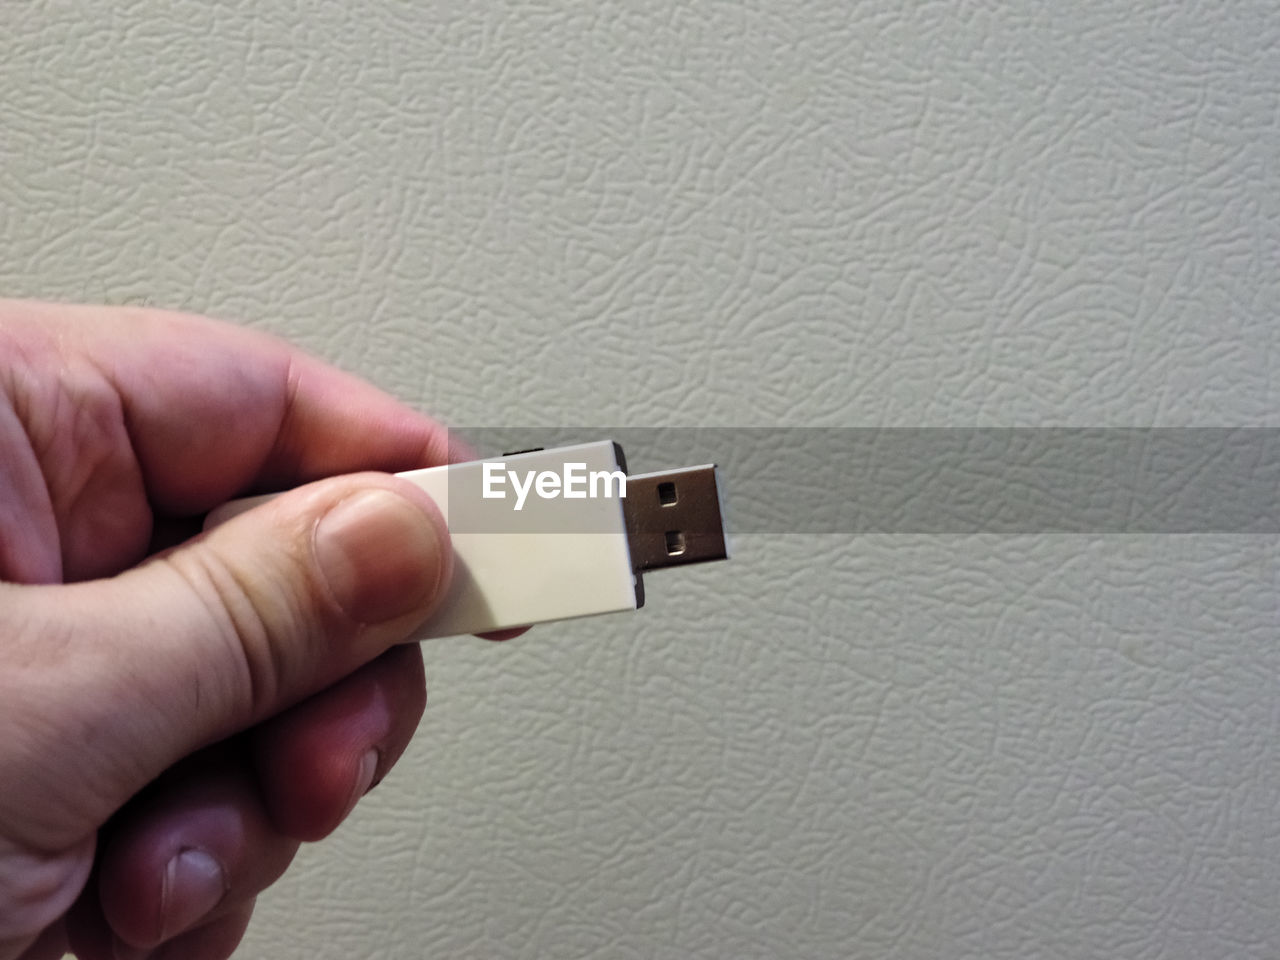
point(675, 543)
point(667, 493)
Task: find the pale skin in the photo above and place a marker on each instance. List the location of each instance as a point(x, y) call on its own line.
point(174, 722)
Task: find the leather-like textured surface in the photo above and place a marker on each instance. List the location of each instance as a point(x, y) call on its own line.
point(793, 213)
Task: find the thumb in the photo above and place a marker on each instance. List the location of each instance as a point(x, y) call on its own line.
point(107, 683)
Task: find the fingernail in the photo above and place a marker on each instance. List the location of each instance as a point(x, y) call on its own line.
point(364, 781)
point(193, 885)
point(380, 554)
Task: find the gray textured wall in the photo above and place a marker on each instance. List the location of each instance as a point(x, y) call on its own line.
point(794, 213)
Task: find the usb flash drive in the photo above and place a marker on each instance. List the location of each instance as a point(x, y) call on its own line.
point(552, 534)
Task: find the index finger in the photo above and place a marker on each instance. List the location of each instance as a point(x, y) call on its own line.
point(214, 410)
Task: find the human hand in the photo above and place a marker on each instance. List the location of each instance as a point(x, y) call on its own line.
point(171, 729)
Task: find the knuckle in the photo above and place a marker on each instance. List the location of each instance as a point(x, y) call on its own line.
point(259, 618)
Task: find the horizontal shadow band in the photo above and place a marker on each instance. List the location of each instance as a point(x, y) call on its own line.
point(942, 480)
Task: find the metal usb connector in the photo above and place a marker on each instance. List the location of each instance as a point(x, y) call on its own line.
point(674, 517)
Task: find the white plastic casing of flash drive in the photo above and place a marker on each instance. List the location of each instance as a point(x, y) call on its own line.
point(546, 534)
